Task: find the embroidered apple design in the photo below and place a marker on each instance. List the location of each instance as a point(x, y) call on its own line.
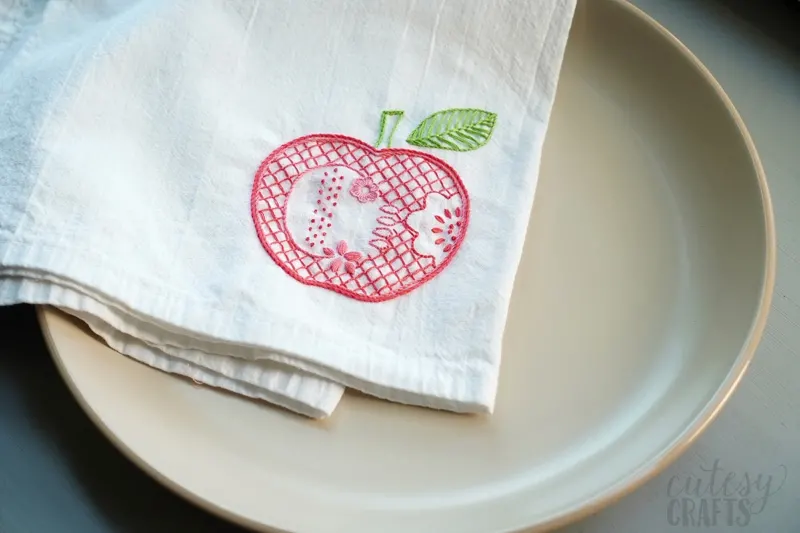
point(369, 222)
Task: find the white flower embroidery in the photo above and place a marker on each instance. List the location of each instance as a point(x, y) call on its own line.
point(439, 225)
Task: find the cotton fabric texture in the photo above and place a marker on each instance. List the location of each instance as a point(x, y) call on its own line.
point(161, 163)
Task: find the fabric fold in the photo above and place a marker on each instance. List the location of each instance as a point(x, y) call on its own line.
point(282, 199)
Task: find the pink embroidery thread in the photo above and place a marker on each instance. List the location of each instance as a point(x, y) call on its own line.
point(364, 190)
point(401, 178)
point(348, 259)
point(320, 222)
point(450, 229)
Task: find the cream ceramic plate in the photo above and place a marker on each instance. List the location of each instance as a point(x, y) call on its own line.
point(644, 288)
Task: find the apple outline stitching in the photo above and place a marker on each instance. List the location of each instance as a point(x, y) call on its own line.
point(453, 129)
point(279, 155)
point(392, 210)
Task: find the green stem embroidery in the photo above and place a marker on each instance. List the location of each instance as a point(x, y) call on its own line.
point(384, 117)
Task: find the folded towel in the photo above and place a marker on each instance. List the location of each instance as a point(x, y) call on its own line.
point(170, 351)
point(197, 181)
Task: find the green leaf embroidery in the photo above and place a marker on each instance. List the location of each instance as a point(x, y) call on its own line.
point(460, 130)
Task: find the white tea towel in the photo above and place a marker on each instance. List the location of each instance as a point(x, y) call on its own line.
point(341, 188)
point(144, 341)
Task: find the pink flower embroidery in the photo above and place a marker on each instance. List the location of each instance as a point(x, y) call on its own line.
point(348, 260)
point(364, 190)
point(448, 228)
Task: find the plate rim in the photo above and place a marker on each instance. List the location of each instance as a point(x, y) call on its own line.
point(624, 487)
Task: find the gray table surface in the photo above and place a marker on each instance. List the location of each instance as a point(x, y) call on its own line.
point(59, 474)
